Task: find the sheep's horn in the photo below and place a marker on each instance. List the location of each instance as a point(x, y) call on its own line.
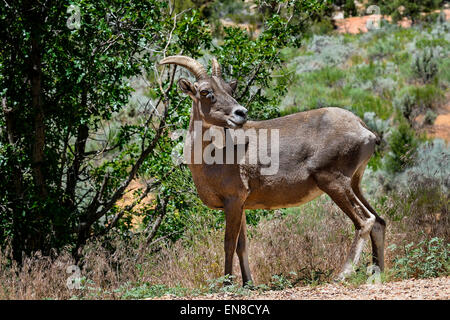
point(216, 71)
point(197, 69)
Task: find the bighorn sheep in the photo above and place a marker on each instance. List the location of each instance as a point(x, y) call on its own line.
point(320, 151)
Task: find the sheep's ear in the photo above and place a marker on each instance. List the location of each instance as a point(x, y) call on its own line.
point(187, 87)
point(233, 85)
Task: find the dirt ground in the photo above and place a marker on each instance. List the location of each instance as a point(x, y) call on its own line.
point(441, 126)
point(422, 289)
point(355, 25)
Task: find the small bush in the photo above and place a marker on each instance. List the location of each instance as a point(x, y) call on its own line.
point(426, 259)
point(431, 166)
point(147, 290)
point(383, 48)
point(430, 116)
point(425, 65)
point(414, 100)
point(442, 18)
point(280, 282)
point(384, 85)
point(350, 8)
point(328, 51)
point(403, 144)
point(418, 206)
point(418, 216)
point(428, 96)
point(405, 102)
point(322, 27)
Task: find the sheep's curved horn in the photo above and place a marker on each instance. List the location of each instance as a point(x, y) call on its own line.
point(197, 69)
point(216, 71)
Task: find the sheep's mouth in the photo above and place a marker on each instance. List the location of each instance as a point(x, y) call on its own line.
point(233, 124)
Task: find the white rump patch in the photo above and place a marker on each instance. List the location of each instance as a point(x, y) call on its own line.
point(366, 134)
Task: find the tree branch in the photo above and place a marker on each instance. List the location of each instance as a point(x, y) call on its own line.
point(92, 213)
point(250, 82)
point(161, 210)
point(74, 171)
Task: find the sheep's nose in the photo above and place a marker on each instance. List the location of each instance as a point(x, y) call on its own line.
point(240, 114)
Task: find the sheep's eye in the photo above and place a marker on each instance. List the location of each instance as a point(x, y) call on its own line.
point(204, 93)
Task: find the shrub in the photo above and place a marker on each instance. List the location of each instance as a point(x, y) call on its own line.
point(383, 48)
point(403, 145)
point(327, 51)
point(321, 27)
point(430, 116)
point(405, 102)
point(425, 66)
point(428, 96)
point(350, 8)
point(426, 259)
point(442, 18)
point(440, 31)
point(384, 85)
point(147, 290)
point(418, 217)
point(280, 282)
point(431, 166)
point(413, 100)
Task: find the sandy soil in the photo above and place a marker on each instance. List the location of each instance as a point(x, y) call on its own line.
point(359, 24)
point(356, 25)
point(128, 199)
point(423, 289)
point(441, 126)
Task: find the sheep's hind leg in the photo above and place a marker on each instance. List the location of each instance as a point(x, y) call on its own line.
point(338, 187)
point(377, 234)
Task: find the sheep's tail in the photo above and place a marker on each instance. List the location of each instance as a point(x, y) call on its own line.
point(377, 137)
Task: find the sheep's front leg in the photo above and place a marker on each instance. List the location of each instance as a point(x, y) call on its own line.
point(242, 251)
point(233, 222)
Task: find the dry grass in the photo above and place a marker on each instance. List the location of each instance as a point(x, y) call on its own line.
point(310, 241)
point(37, 278)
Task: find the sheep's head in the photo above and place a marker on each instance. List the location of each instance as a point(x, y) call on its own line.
point(212, 95)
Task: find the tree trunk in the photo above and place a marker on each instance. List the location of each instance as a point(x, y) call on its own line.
point(39, 126)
